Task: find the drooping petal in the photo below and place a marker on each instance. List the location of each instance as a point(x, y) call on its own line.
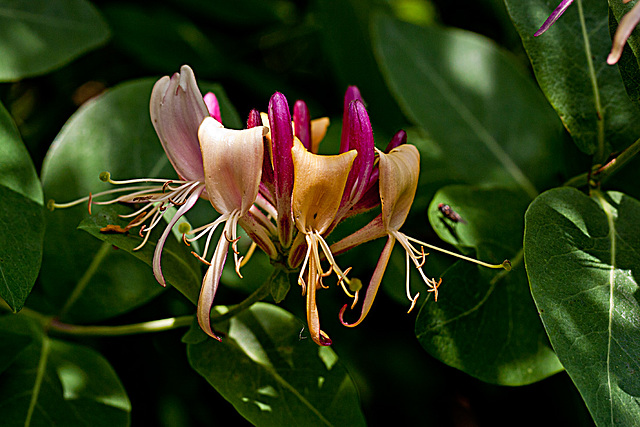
point(212, 278)
point(282, 142)
point(177, 109)
point(318, 188)
point(627, 24)
point(313, 318)
point(374, 284)
point(157, 255)
point(213, 106)
point(557, 13)
point(399, 171)
point(232, 165)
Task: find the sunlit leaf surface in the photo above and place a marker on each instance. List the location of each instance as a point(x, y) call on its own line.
point(470, 116)
point(53, 382)
point(569, 61)
point(582, 259)
point(272, 374)
point(485, 322)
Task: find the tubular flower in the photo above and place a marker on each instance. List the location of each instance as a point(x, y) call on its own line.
point(232, 173)
point(399, 170)
point(317, 192)
point(177, 108)
point(270, 180)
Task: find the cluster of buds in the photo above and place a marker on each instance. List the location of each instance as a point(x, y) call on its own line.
point(270, 180)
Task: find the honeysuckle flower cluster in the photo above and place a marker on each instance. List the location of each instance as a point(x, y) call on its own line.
point(628, 22)
point(270, 180)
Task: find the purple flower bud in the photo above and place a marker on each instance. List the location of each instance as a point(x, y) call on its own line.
point(351, 94)
point(302, 123)
point(213, 106)
point(359, 137)
point(281, 143)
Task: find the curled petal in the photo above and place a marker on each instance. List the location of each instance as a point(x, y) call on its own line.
point(399, 171)
point(232, 165)
point(213, 106)
point(177, 109)
point(157, 255)
point(626, 27)
point(557, 13)
point(212, 279)
point(318, 188)
point(374, 284)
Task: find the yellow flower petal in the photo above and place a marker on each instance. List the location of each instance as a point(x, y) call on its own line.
point(399, 171)
point(318, 186)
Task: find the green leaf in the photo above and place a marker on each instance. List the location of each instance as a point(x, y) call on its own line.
point(569, 61)
point(30, 35)
point(484, 117)
point(53, 382)
point(112, 132)
point(582, 259)
point(21, 218)
point(180, 268)
point(280, 286)
point(16, 168)
point(20, 246)
point(485, 322)
point(272, 376)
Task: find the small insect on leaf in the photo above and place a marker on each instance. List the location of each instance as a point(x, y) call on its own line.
point(448, 212)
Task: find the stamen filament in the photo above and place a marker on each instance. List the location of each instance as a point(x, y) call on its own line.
point(435, 248)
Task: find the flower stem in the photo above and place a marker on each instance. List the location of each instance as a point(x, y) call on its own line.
point(109, 331)
point(601, 173)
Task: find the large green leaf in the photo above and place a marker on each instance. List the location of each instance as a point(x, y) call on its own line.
point(180, 268)
point(494, 116)
point(112, 132)
point(569, 61)
point(485, 322)
point(53, 382)
point(38, 36)
point(271, 375)
point(21, 218)
point(582, 260)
